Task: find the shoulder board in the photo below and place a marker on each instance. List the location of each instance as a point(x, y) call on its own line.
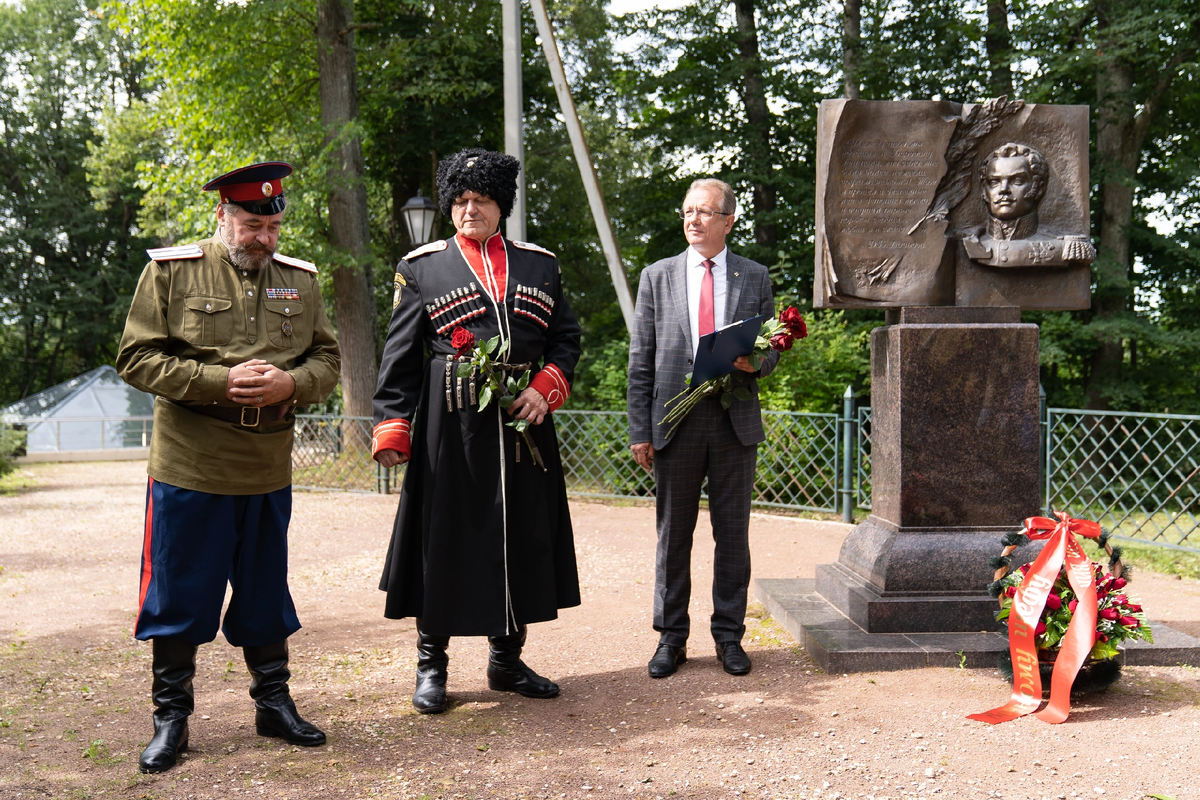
point(181, 253)
point(426, 249)
point(533, 247)
point(307, 266)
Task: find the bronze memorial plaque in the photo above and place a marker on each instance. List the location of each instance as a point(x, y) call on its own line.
point(933, 203)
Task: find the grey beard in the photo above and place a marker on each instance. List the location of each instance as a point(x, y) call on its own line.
point(250, 259)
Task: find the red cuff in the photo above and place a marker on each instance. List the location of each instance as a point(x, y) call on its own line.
point(552, 385)
point(391, 434)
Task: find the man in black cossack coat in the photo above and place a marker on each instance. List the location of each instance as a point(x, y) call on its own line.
point(482, 543)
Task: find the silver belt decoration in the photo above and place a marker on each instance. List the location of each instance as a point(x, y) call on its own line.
point(458, 390)
point(474, 401)
point(449, 396)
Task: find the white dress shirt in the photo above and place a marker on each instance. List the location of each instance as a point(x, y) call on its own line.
point(695, 276)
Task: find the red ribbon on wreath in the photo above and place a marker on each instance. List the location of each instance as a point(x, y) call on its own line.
point(1026, 610)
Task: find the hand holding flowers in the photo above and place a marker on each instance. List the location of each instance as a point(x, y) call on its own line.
point(775, 334)
point(499, 381)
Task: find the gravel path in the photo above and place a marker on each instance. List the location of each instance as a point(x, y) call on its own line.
point(74, 705)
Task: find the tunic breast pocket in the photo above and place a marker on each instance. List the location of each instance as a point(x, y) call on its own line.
point(208, 321)
point(287, 326)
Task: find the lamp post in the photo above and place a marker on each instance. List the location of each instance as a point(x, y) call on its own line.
point(419, 213)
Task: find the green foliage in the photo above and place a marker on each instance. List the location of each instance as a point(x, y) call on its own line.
point(813, 375)
point(68, 261)
point(12, 442)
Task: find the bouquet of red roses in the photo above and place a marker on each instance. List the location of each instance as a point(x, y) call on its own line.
point(775, 334)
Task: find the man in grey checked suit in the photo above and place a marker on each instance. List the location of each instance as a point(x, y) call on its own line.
point(679, 300)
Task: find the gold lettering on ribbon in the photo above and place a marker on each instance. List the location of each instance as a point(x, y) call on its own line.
point(1031, 597)
point(1023, 672)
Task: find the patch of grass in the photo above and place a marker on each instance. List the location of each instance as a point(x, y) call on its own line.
point(17, 481)
point(97, 752)
point(1163, 560)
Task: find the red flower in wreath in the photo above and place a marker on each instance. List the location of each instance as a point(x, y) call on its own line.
point(462, 340)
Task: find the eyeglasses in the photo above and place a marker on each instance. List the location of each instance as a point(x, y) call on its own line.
point(702, 213)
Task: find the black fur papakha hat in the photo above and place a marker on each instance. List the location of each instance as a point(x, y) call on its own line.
point(475, 170)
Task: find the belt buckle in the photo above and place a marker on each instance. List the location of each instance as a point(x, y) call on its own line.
point(257, 416)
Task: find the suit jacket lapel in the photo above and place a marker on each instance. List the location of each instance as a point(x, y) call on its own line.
point(677, 281)
point(735, 279)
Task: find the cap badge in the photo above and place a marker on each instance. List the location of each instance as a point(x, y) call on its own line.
point(470, 163)
point(267, 189)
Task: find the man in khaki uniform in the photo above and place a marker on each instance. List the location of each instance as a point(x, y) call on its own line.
point(231, 337)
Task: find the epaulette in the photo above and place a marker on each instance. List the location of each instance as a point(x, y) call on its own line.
point(307, 266)
point(425, 249)
point(535, 248)
point(183, 252)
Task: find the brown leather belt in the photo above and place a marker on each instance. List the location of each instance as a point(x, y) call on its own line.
point(246, 416)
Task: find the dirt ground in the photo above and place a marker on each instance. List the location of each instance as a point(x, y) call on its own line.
point(75, 710)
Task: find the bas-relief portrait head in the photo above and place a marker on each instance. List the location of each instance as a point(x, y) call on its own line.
point(1012, 182)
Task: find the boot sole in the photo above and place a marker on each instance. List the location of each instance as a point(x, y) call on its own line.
point(438, 710)
point(496, 686)
point(271, 733)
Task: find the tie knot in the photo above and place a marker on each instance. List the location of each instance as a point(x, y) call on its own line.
point(707, 264)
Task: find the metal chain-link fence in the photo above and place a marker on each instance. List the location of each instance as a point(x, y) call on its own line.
point(1135, 474)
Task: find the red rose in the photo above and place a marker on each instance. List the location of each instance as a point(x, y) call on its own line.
point(462, 340)
point(1010, 591)
point(1053, 602)
point(1134, 608)
point(1130, 622)
point(781, 342)
point(1071, 605)
point(1041, 628)
point(1119, 583)
point(791, 319)
point(1101, 637)
point(1110, 613)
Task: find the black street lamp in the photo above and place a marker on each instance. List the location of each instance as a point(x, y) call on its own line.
point(419, 213)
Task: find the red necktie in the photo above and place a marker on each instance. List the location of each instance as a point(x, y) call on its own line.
point(707, 325)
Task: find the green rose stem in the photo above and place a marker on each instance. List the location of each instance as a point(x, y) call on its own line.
point(483, 357)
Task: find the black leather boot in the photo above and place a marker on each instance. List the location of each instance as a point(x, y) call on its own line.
point(274, 712)
point(430, 694)
point(174, 667)
point(506, 671)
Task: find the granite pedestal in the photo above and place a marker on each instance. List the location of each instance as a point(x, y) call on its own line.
point(954, 466)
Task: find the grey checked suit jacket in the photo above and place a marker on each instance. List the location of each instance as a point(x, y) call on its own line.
point(660, 350)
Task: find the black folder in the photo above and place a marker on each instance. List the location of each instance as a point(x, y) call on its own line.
point(718, 350)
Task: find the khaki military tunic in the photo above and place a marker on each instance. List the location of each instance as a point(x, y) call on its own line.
point(191, 321)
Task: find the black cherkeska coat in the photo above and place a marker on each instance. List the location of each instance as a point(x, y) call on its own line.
point(482, 539)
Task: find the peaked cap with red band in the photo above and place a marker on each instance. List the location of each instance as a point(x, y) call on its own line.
point(257, 188)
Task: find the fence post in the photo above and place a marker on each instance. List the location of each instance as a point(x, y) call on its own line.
point(848, 455)
point(1044, 455)
point(383, 479)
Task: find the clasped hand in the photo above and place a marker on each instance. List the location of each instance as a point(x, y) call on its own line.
point(257, 383)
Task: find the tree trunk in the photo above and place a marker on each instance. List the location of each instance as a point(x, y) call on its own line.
point(1116, 162)
point(851, 48)
point(998, 42)
point(758, 145)
point(354, 305)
